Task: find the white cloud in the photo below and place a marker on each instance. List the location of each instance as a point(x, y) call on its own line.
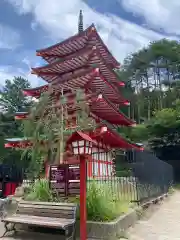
point(60, 21)
point(8, 72)
point(9, 37)
point(159, 14)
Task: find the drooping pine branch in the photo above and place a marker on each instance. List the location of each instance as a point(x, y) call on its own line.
point(51, 123)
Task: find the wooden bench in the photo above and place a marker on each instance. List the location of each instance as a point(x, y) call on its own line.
point(44, 214)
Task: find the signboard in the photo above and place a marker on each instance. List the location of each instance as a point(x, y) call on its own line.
point(65, 179)
point(74, 180)
point(58, 179)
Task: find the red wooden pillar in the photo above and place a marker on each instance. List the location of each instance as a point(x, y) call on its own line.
point(83, 213)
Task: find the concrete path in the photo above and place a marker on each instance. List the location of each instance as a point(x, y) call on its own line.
point(163, 224)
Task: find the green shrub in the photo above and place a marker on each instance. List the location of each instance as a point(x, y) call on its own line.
point(102, 203)
point(40, 191)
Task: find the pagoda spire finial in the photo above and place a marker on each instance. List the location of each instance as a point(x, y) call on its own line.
point(80, 24)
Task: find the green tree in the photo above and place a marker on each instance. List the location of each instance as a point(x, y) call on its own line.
point(50, 124)
point(162, 130)
point(12, 100)
point(11, 95)
point(152, 73)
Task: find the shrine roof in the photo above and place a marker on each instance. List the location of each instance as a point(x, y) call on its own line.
point(21, 113)
point(16, 139)
point(108, 137)
point(115, 140)
point(76, 43)
point(80, 135)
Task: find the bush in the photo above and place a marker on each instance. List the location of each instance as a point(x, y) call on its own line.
point(40, 191)
point(102, 203)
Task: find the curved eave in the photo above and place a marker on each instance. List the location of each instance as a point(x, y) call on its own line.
point(35, 92)
point(105, 110)
point(76, 43)
point(21, 115)
point(114, 61)
point(114, 140)
point(107, 136)
point(17, 143)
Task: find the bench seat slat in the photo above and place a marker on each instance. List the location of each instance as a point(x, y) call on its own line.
point(60, 207)
point(48, 203)
point(42, 213)
point(39, 221)
point(50, 211)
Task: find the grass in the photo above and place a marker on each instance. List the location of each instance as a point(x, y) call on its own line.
point(177, 186)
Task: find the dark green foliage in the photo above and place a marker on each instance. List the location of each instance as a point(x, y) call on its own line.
point(102, 203)
point(48, 130)
point(152, 84)
point(162, 130)
point(122, 168)
point(152, 77)
point(40, 191)
point(12, 100)
point(12, 97)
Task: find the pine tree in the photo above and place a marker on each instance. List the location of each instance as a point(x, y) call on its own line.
point(51, 122)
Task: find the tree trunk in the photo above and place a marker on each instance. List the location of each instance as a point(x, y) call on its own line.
point(61, 141)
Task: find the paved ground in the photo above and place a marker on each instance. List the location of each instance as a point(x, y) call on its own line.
point(32, 236)
point(162, 224)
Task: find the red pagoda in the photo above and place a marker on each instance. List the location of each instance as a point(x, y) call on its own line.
point(83, 61)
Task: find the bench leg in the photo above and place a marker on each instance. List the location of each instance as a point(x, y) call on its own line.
point(7, 229)
point(74, 232)
point(70, 233)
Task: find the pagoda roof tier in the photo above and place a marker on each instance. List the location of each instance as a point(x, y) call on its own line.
point(89, 37)
point(105, 110)
point(107, 136)
point(21, 115)
point(89, 57)
point(115, 140)
point(36, 92)
point(17, 143)
point(90, 79)
point(99, 106)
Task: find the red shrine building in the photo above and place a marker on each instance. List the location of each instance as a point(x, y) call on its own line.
point(83, 61)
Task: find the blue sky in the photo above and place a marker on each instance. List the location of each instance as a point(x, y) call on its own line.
point(125, 26)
